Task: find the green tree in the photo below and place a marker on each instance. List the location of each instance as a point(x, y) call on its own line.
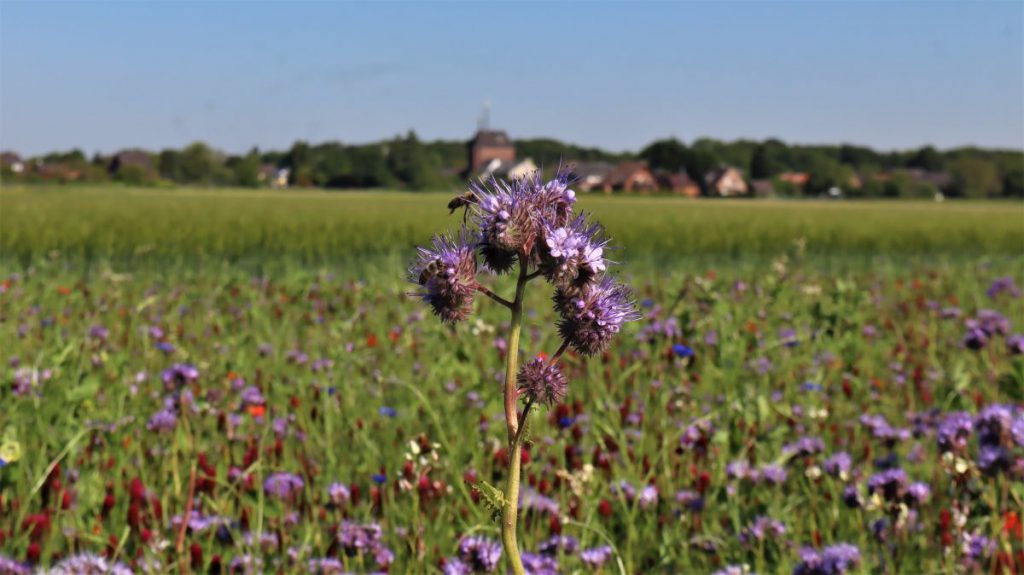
point(975, 177)
point(665, 154)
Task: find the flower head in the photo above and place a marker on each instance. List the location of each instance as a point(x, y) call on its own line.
point(283, 485)
point(572, 255)
point(446, 272)
point(542, 382)
point(592, 316)
point(480, 554)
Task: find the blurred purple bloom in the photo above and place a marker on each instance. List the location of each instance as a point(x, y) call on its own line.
point(283, 485)
point(596, 557)
point(480, 554)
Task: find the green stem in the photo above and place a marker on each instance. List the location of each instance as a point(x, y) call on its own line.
point(511, 512)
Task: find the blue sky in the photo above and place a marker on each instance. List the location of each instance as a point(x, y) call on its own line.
point(107, 75)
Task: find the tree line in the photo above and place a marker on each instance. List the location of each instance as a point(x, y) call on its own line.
point(406, 162)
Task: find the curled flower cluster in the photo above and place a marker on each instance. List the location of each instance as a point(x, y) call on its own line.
point(446, 272)
point(543, 381)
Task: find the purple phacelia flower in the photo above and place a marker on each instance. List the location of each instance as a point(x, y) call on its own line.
point(355, 537)
point(542, 382)
point(993, 458)
point(648, 497)
point(446, 272)
point(559, 544)
point(480, 554)
point(596, 557)
point(803, 447)
point(283, 485)
point(530, 499)
point(918, 493)
point(572, 256)
point(993, 421)
point(165, 419)
point(977, 550)
point(690, 499)
point(975, 338)
point(10, 566)
point(88, 564)
point(852, 498)
point(954, 431)
point(1003, 285)
point(534, 564)
point(834, 560)
point(772, 474)
point(339, 494)
point(891, 484)
point(762, 528)
point(990, 321)
point(591, 317)
point(838, 464)
point(179, 375)
point(1015, 344)
point(252, 395)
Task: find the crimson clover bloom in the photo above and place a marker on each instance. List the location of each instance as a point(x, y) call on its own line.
point(447, 274)
point(542, 382)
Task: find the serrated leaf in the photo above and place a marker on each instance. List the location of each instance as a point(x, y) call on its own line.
point(494, 499)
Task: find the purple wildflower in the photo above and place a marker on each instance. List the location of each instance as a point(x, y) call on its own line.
point(834, 560)
point(179, 375)
point(165, 419)
point(447, 274)
point(596, 557)
point(803, 447)
point(993, 422)
point(88, 564)
point(355, 537)
point(542, 382)
point(772, 474)
point(591, 317)
point(762, 528)
point(560, 544)
point(535, 564)
point(954, 431)
point(1015, 344)
point(9, 566)
point(918, 493)
point(690, 499)
point(1003, 285)
point(283, 485)
point(648, 497)
point(325, 566)
point(838, 464)
point(532, 500)
point(339, 494)
point(572, 256)
point(890, 484)
point(480, 554)
point(851, 497)
point(252, 395)
point(977, 549)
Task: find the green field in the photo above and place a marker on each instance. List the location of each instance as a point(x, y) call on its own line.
point(125, 225)
point(766, 324)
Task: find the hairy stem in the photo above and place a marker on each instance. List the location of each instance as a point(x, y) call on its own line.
point(510, 513)
point(494, 296)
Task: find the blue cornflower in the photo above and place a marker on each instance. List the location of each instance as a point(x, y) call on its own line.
point(682, 351)
point(388, 411)
point(379, 478)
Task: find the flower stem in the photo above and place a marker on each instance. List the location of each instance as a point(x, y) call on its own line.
point(510, 513)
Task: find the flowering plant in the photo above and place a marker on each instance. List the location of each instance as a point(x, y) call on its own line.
point(527, 224)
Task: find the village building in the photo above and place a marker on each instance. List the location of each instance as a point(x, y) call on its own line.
point(590, 175)
point(726, 182)
point(678, 183)
point(131, 159)
point(13, 162)
point(630, 177)
point(487, 146)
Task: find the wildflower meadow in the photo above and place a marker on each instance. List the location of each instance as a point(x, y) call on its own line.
point(209, 383)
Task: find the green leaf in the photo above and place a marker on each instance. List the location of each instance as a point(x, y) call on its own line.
point(494, 499)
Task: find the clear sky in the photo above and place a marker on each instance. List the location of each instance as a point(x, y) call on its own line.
point(103, 76)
